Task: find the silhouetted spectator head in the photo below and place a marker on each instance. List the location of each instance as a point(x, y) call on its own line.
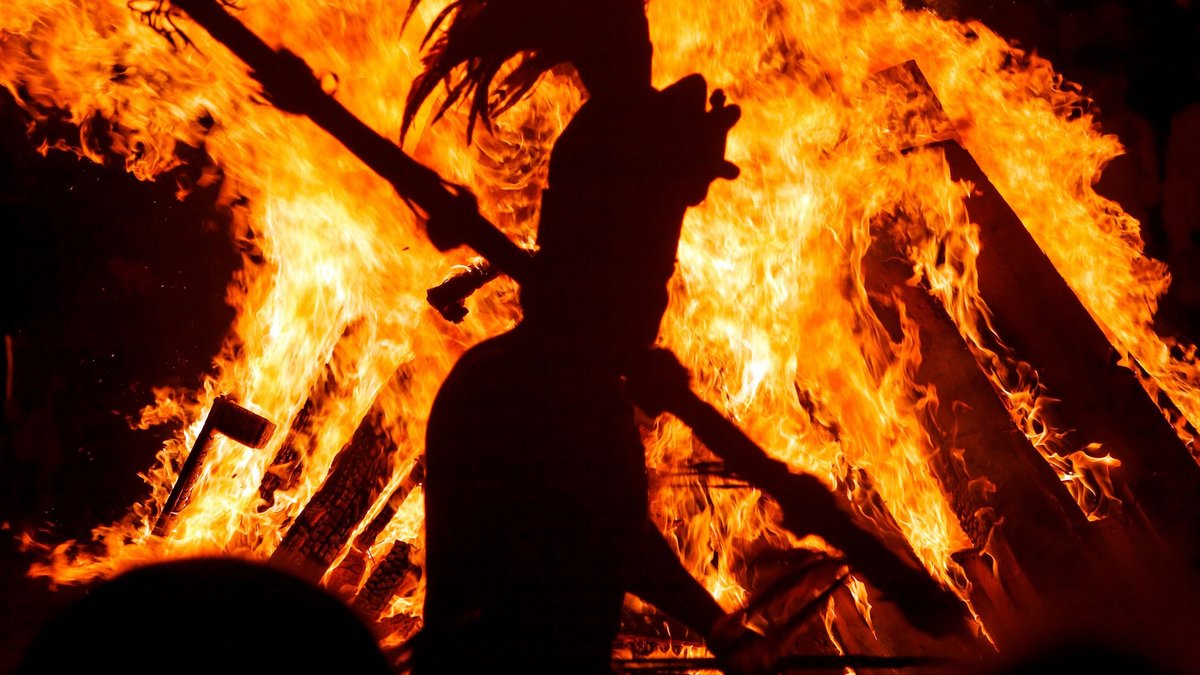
point(205, 615)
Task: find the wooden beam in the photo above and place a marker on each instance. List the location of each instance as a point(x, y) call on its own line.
point(358, 477)
point(996, 481)
point(348, 575)
point(1037, 314)
point(396, 575)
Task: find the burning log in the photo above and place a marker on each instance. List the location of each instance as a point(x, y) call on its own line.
point(645, 633)
point(996, 482)
point(660, 383)
point(228, 419)
point(396, 575)
point(1003, 604)
point(914, 114)
point(1036, 313)
point(358, 476)
point(790, 592)
point(415, 477)
point(349, 572)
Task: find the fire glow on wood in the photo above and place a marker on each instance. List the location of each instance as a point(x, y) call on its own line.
point(792, 318)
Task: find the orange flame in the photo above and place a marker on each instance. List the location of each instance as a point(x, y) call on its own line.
point(768, 305)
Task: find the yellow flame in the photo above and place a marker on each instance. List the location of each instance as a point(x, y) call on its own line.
point(768, 306)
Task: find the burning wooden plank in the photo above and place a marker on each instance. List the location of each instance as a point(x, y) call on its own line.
point(397, 574)
point(228, 419)
point(359, 475)
point(1002, 603)
point(288, 464)
point(347, 576)
point(915, 117)
point(647, 632)
point(997, 483)
point(1096, 400)
point(790, 595)
point(1037, 314)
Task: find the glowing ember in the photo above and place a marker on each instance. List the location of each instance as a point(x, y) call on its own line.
point(768, 306)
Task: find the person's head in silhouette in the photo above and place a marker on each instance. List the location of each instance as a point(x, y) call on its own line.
point(622, 173)
point(205, 615)
point(608, 42)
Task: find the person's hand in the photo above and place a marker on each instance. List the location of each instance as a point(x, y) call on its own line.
point(721, 118)
point(694, 135)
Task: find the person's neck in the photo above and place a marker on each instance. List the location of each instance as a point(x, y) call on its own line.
point(593, 350)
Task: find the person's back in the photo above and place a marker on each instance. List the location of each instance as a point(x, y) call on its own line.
point(536, 494)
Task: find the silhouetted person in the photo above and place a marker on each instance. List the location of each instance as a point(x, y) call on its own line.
point(205, 615)
point(536, 493)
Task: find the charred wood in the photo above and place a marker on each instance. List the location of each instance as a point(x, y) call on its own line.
point(798, 626)
point(1037, 314)
point(995, 480)
point(288, 464)
point(650, 632)
point(348, 574)
point(359, 475)
point(396, 575)
point(999, 602)
point(228, 419)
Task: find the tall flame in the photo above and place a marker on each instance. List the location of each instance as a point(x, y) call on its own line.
point(768, 304)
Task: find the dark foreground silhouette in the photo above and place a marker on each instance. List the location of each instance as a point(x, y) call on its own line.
point(205, 615)
point(536, 493)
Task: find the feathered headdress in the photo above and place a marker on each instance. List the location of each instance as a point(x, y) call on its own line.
point(471, 40)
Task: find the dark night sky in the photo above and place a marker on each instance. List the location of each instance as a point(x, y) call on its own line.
point(113, 286)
